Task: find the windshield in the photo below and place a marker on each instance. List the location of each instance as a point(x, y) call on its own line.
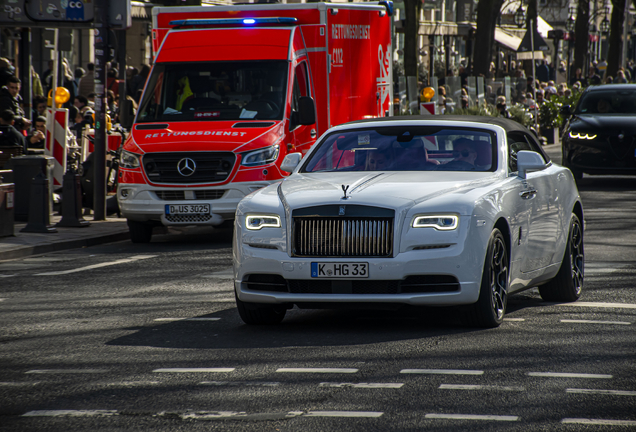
point(405, 148)
point(607, 102)
point(248, 90)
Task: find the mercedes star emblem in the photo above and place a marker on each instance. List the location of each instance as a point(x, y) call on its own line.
point(186, 167)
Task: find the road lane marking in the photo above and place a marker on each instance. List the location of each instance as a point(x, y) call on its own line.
point(6, 275)
point(601, 392)
point(585, 421)
point(94, 266)
point(233, 415)
point(442, 371)
point(471, 417)
point(369, 414)
point(317, 370)
point(241, 383)
point(568, 375)
point(594, 322)
point(66, 371)
point(18, 384)
point(479, 387)
point(362, 385)
point(514, 319)
point(194, 370)
point(599, 305)
point(70, 413)
point(185, 319)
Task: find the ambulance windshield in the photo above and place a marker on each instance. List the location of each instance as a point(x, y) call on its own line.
point(245, 90)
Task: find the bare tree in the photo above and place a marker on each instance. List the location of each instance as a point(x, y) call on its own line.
point(616, 41)
point(582, 35)
point(487, 13)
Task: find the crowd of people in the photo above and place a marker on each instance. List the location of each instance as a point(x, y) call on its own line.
point(27, 130)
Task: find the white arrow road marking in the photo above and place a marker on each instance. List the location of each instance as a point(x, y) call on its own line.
point(94, 266)
point(471, 417)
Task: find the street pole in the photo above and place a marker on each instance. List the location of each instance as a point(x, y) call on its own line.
point(101, 74)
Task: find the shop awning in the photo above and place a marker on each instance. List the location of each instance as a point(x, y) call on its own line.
point(506, 39)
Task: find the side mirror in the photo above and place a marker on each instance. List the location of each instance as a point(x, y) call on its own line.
point(306, 111)
point(290, 162)
point(566, 110)
point(126, 114)
point(529, 161)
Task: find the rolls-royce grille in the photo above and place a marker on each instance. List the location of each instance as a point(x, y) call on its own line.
point(169, 195)
point(188, 167)
point(343, 237)
point(410, 285)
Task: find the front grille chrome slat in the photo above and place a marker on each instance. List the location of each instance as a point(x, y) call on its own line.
point(343, 237)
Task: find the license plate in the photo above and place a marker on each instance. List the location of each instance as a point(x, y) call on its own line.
point(339, 270)
point(178, 209)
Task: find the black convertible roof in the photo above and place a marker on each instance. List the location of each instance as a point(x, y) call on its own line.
point(507, 124)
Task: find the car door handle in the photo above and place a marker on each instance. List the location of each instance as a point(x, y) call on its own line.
point(528, 194)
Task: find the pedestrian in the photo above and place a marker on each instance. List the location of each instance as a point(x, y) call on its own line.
point(39, 106)
point(10, 99)
point(36, 84)
point(6, 70)
point(112, 83)
point(37, 137)
point(9, 135)
point(138, 82)
point(87, 82)
point(502, 109)
point(80, 102)
point(620, 77)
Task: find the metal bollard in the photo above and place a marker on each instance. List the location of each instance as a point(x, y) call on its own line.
point(72, 202)
point(39, 207)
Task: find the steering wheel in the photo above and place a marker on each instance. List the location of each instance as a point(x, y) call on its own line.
point(456, 165)
point(263, 106)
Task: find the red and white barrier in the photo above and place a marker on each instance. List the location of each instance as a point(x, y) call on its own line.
point(57, 141)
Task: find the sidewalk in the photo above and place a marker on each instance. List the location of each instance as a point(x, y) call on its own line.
point(26, 244)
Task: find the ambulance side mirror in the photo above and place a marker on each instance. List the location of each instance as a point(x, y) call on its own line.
point(306, 111)
point(290, 162)
point(126, 114)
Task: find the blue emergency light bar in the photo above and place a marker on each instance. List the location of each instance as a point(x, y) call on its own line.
point(234, 21)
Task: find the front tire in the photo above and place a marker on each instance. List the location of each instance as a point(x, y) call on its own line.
point(258, 314)
point(567, 285)
point(490, 308)
point(139, 232)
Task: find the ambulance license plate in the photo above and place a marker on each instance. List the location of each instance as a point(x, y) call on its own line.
point(193, 209)
point(339, 270)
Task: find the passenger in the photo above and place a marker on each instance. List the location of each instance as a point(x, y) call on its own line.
point(378, 160)
point(464, 151)
point(603, 106)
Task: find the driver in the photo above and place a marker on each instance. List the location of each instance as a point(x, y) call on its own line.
point(603, 106)
point(464, 151)
point(378, 160)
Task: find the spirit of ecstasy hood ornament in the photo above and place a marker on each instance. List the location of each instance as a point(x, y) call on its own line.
point(344, 190)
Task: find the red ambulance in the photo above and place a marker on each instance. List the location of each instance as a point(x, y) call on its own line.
point(236, 88)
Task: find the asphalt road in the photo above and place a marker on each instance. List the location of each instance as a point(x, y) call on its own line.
point(147, 337)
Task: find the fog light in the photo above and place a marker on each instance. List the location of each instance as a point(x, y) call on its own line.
point(124, 193)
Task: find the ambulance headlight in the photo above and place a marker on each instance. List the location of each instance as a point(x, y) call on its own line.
point(129, 160)
point(260, 157)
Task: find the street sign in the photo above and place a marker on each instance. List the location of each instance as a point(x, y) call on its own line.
point(62, 13)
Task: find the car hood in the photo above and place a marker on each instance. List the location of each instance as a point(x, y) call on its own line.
point(604, 122)
point(390, 190)
point(231, 136)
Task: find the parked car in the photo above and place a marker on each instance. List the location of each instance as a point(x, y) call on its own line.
point(599, 136)
point(452, 210)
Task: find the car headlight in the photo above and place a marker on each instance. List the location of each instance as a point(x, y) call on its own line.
point(582, 136)
point(439, 222)
point(256, 222)
point(260, 157)
point(129, 160)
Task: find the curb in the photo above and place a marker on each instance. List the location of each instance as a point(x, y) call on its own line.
point(25, 251)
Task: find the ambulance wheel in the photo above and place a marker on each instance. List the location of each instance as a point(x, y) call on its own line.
point(140, 232)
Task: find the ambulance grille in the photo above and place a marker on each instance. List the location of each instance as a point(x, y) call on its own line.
point(202, 167)
point(170, 195)
point(343, 237)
